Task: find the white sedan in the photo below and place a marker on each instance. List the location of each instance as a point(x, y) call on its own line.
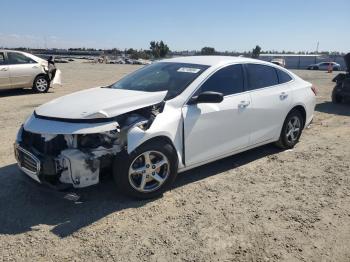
point(162, 119)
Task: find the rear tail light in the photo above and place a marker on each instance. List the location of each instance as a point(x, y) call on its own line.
point(313, 88)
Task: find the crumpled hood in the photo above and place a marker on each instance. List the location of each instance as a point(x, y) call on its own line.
point(99, 103)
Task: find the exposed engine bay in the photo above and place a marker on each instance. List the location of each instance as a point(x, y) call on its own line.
point(79, 159)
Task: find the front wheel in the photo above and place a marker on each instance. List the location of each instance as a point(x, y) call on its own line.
point(41, 84)
point(148, 171)
point(291, 130)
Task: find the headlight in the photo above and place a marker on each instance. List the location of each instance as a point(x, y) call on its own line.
point(143, 125)
point(106, 139)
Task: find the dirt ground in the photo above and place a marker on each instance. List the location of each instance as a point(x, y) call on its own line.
point(261, 205)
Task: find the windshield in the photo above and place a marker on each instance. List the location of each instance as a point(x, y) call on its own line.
point(162, 76)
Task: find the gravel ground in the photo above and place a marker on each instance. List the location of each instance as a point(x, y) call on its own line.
point(261, 205)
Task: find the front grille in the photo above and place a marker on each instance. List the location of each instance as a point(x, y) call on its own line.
point(27, 161)
point(52, 147)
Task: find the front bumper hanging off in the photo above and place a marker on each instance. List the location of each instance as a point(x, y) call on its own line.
point(72, 168)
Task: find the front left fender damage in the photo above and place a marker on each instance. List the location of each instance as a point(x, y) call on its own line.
point(77, 153)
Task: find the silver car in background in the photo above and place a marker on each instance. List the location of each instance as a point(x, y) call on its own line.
point(325, 66)
point(23, 70)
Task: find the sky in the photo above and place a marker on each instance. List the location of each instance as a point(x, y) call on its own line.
point(226, 25)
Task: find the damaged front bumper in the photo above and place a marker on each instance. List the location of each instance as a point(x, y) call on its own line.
point(72, 168)
point(73, 151)
point(57, 160)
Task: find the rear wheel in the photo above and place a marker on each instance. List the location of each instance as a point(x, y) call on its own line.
point(291, 130)
point(41, 84)
point(148, 171)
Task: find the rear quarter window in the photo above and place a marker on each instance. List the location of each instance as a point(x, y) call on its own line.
point(283, 77)
point(260, 76)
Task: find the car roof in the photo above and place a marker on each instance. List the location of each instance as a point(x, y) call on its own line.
point(9, 50)
point(212, 60)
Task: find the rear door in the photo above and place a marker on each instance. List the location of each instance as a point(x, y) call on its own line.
point(4, 72)
point(215, 129)
point(271, 100)
point(324, 66)
point(23, 69)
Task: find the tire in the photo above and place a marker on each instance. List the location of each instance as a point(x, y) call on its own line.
point(315, 68)
point(336, 98)
point(288, 139)
point(41, 84)
point(135, 178)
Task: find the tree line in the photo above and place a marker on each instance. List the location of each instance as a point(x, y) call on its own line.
point(159, 49)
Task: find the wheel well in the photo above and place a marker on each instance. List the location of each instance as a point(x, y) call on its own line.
point(163, 139)
point(302, 111)
point(42, 74)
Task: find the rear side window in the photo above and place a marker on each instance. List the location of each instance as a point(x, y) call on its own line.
point(18, 58)
point(228, 80)
point(283, 77)
point(260, 76)
point(2, 59)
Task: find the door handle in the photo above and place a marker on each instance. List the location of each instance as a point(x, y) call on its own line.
point(243, 104)
point(35, 67)
point(3, 69)
point(283, 95)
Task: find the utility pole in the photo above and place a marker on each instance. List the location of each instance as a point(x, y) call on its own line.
point(318, 44)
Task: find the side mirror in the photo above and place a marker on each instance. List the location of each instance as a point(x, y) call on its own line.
point(207, 97)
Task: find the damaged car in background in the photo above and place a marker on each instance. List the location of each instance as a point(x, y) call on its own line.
point(162, 119)
point(24, 70)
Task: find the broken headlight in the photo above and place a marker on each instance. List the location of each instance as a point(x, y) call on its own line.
point(106, 139)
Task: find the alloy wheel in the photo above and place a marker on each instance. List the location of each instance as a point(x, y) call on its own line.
point(293, 129)
point(149, 171)
point(41, 84)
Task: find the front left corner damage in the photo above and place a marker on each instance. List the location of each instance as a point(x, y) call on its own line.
point(78, 157)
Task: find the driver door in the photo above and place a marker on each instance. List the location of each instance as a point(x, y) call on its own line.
point(212, 130)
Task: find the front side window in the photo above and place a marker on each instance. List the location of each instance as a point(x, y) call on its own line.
point(283, 77)
point(162, 76)
point(228, 80)
point(260, 76)
point(2, 59)
point(18, 58)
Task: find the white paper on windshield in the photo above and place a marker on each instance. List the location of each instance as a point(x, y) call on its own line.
point(188, 70)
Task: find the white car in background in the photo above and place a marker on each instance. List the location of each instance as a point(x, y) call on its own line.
point(279, 61)
point(165, 118)
point(23, 70)
point(325, 66)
